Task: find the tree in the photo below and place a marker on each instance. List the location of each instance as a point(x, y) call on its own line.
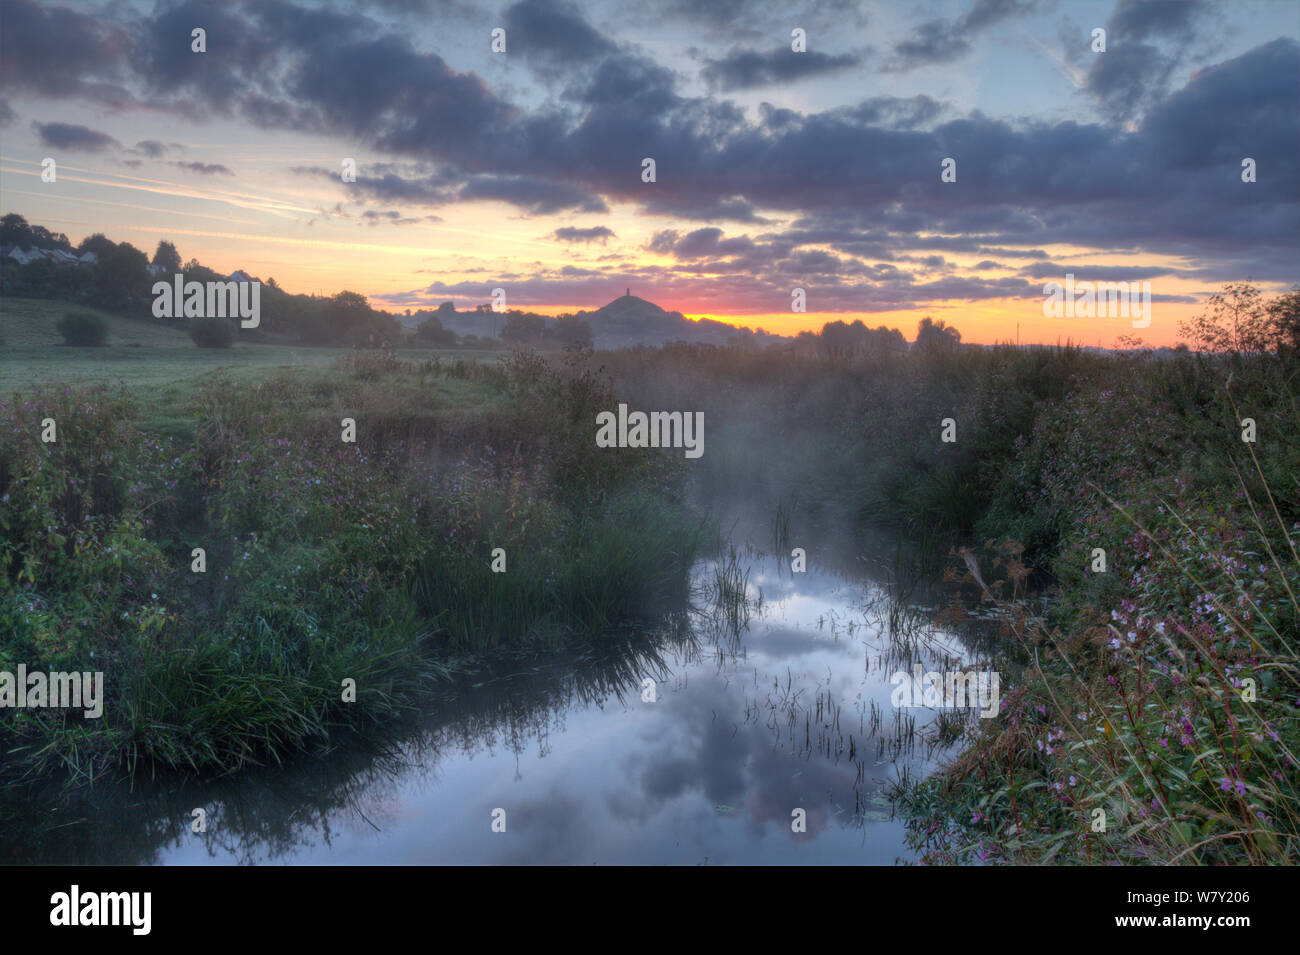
point(122, 276)
point(14, 230)
point(346, 317)
point(212, 332)
point(1284, 320)
point(45, 239)
point(431, 332)
point(522, 328)
point(931, 334)
point(1235, 322)
point(573, 332)
point(83, 328)
point(98, 243)
point(167, 256)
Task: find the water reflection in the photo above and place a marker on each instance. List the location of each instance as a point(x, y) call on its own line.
point(771, 695)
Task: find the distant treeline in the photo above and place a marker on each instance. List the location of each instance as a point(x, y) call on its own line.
point(120, 279)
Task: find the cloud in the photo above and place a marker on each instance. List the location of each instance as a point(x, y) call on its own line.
point(1142, 19)
point(895, 112)
point(1146, 42)
point(858, 184)
point(746, 69)
point(553, 32)
point(387, 186)
point(537, 196)
point(698, 244)
point(600, 233)
point(941, 41)
point(391, 217)
point(1097, 273)
point(72, 136)
point(57, 52)
point(204, 168)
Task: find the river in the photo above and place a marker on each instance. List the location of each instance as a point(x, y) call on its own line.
point(701, 743)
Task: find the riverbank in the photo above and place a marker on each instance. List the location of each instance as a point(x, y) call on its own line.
point(277, 560)
point(1152, 713)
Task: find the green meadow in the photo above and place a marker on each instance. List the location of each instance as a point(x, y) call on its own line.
point(1127, 524)
point(251, 582)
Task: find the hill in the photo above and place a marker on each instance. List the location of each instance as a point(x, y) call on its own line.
point(627, 320)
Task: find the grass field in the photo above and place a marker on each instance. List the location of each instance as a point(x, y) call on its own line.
point(155, 359)
point(326, 558)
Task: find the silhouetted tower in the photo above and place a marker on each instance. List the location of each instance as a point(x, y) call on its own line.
point(629, 293)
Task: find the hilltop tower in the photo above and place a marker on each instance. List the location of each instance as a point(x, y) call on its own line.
point(629, 293)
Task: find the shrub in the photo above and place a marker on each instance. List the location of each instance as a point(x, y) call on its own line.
point(212, 332)
point(83, 328)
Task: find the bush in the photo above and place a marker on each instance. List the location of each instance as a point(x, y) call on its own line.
point(83, 328)
point(212, 332)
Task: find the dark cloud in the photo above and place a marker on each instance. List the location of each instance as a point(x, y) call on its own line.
point(554, 32)
point(745, 69)
point(150, 147)
point(1012, 253)
point(537, 196)
point(1142, 19)
point(755, 19)
point(600, 233)
point(861, 183)
point(895, 112)
point(389, 217)
point(72, 136)
point(630, 81)
point(935, 41)
point(239, 56)
point(204, 168)
point(941, 41)
point(57, 52)
point(387, 186)
point(1146, 42)
point(1096, 273)
point(698, 244)
point(986, 13)
point(7, 115)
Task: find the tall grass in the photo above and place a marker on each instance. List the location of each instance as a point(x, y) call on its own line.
point(326, 561)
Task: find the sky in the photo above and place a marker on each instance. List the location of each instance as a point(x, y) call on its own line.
point(820, 170)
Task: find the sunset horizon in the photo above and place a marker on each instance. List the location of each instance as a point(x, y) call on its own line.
point(803, 151)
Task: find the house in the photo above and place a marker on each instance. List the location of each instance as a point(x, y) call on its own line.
point(59, 257)
point(25, 256)
point(239, 275)
point(90, 258)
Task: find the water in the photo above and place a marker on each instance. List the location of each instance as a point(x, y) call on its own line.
point(751, 720)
